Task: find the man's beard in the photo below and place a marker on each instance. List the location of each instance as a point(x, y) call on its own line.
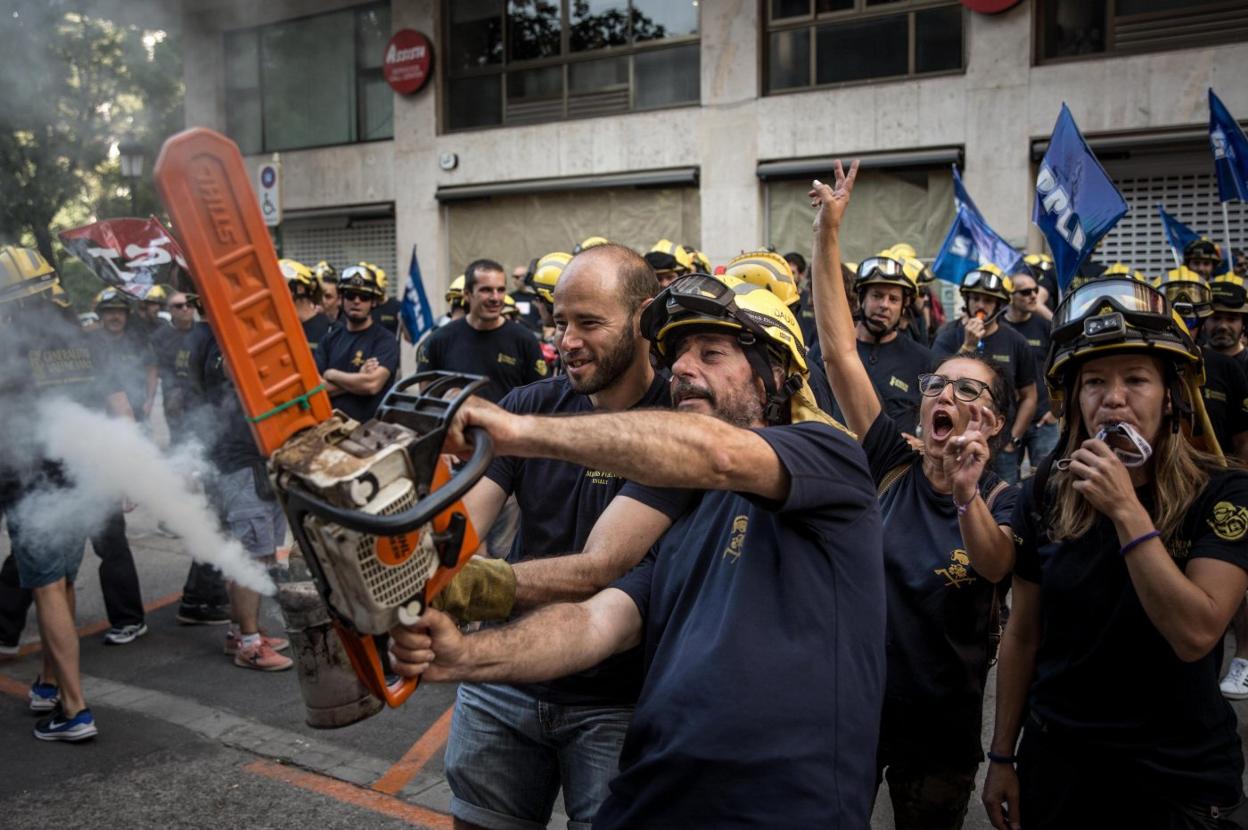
point(610, 366)
point(742, 408)
point(1222, 337)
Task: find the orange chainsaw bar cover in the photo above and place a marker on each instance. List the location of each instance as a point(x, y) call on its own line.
point(205, 187)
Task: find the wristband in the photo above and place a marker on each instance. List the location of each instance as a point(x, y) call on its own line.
point(1001, 759)
point(962, 508)
point(1136, 542)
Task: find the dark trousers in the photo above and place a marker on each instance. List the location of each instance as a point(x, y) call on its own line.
point(119, 582)
point(1065, 784)
point(925, 794)
point(119, 579)
point(204, 586)
point(14, 602)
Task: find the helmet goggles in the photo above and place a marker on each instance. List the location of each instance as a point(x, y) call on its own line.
point(987, 282)
point(700, 299)
point(699, 293)
point(766, 335)
point(881, 266)
point(1189, 298)
point(1136, 302)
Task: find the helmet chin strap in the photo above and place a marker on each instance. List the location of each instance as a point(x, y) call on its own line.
point(872, 329)
point(777, 405)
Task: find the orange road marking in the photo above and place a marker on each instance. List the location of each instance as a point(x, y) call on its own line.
point(103, 625)
point(9, 686)
point(414, 760)
point(345, 793)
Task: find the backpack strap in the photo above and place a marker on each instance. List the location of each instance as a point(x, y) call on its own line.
point(991, 498)
point(892, 477)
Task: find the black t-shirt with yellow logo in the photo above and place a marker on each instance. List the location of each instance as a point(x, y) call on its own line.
point(47, 356)
point(316, 328)
point(509, 355)
point(559, 504)
point(56, 358)
point(1173, 733)
point(894, 368)
point(763, 626)
point(173, 358)
point(938, 608)
point(1005, 347)
point(1226, 397)
point(130, 357)
point(387, 314)
point(347, 351)
point(1037, 331)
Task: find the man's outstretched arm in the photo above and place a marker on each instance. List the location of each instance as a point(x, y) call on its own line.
point(552, 642)
point(623, 534)
point(658, 448)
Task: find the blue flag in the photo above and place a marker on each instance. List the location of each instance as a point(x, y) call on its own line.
point(1076, 202)
point(416, 314)
point(971, 241)
point(1230, 152)
point(1177, 234)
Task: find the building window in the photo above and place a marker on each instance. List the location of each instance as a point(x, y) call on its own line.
point(311, 82)
point(813, 43)
point(512, 62)
point(1068, 29)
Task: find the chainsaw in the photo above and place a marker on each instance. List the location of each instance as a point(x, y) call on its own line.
point(375, 507)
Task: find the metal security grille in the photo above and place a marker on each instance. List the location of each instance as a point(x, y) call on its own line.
point(1191, 196)
point(343, 241)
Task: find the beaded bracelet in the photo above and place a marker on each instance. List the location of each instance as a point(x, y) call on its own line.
point(1134, 543)
point(962, 508)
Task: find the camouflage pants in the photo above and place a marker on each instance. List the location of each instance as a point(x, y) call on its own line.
point(926, 797)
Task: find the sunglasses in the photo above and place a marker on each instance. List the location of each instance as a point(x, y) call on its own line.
point(356, 296)
point(964, 389)
point(1027, 292)
point(178, 306)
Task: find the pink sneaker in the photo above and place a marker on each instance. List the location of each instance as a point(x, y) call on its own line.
point(275, 643)
point(262, 657)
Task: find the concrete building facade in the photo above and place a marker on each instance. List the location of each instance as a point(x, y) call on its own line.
point(728, 170)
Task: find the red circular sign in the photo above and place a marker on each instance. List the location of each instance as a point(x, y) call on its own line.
point(407, 61)
point(990, 6)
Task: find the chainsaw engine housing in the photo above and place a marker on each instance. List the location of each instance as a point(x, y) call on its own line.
point(375, 582)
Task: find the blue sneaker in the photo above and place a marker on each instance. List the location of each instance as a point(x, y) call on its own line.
point(57, 727)
point(43, 696)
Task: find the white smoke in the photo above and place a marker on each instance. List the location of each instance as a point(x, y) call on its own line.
point(108, 460)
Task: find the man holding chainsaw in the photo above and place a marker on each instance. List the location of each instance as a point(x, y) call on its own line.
point(512, 747)
point(987, 293)
point(761, 610)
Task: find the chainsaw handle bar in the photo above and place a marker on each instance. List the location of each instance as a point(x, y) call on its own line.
point(416, 516)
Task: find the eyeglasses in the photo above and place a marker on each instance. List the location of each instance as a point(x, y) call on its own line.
point(178, 306)
point(1026, 292)
point(356, 297)
point(964, 389)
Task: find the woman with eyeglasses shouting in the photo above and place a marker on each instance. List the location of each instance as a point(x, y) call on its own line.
point(947, 544)
point(1132, 556)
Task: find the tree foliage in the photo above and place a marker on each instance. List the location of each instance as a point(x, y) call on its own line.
point(74, 87)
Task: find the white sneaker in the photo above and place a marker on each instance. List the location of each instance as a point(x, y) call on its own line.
point(1235, 685)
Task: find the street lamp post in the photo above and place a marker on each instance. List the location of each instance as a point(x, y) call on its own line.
point(131, 153)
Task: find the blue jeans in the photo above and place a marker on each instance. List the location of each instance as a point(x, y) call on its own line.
point(1038, 441)
point(508, 753)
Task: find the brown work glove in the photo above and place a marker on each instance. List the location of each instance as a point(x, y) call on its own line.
point(484, 589)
